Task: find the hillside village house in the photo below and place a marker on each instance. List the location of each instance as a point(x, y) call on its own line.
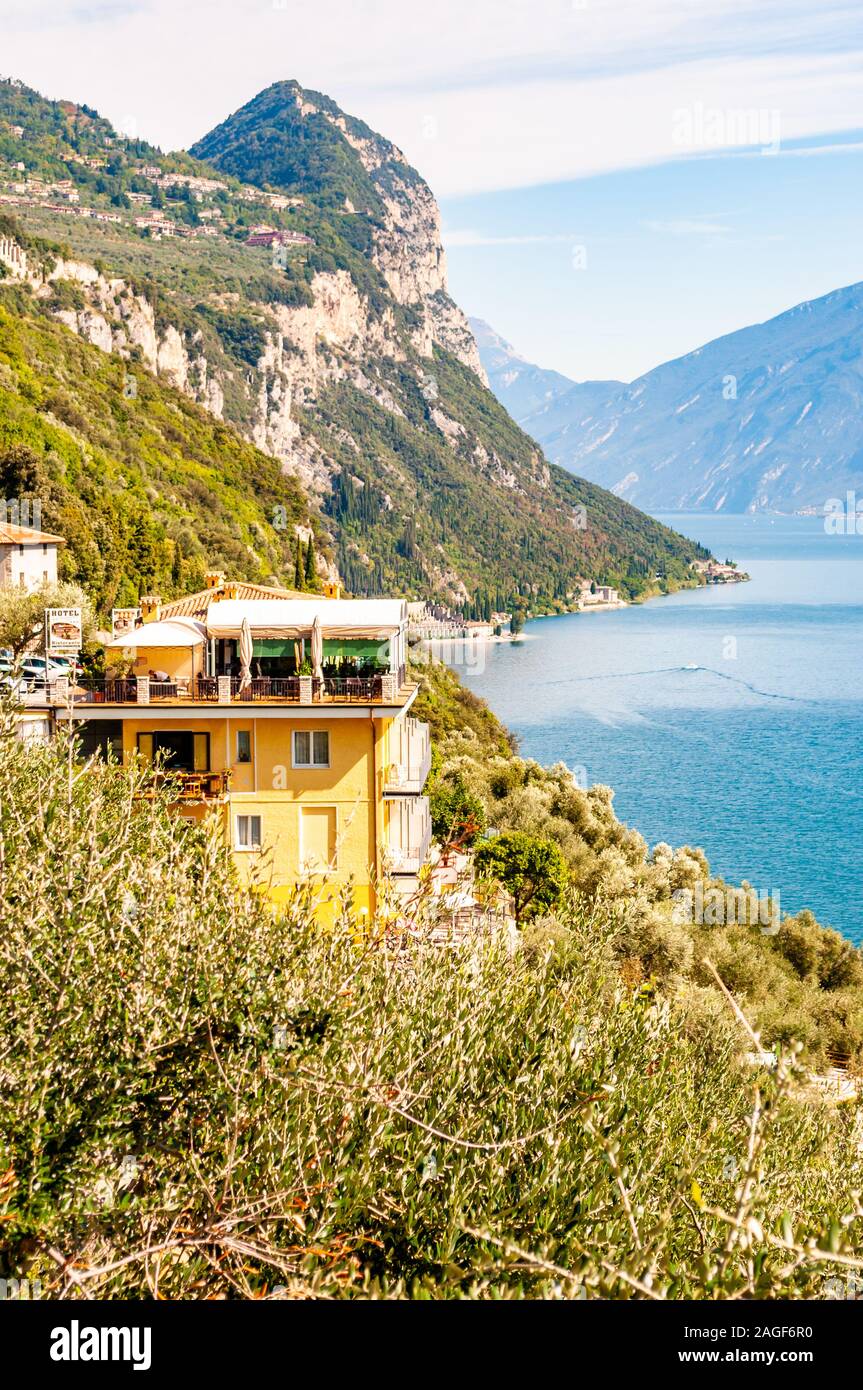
point(28, 558)
point(288, 717)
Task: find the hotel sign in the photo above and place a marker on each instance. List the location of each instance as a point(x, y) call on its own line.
point(63, 630)
point(123, 620)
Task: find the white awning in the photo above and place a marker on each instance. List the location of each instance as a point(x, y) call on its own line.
point(376, 618)
point(171, 632)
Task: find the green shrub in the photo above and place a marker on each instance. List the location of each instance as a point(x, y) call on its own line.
point(202, 1097)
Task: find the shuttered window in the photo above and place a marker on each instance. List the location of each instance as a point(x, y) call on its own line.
point(202, 753)
point(317, 838)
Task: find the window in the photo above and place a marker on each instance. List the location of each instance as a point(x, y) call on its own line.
point(101, 736)
point(248, 834)
point(244, 746)
point(181, 750)
point(311, 748)
point(317, 838)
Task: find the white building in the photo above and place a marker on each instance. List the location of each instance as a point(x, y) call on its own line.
point(28, 558)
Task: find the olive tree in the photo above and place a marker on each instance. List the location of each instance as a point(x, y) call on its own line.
point(532, 870)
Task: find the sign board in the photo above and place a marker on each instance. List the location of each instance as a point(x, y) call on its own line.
point(63, 628)
point(123, 620)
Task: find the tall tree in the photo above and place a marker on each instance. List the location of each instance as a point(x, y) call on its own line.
point(311, 572)
point(299, 569)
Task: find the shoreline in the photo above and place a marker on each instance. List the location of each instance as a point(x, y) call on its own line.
point(480, 638)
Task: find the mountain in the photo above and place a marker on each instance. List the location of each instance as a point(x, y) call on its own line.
point(149, 489)
point(769, 417)
point(335, 349)
point(519, 385)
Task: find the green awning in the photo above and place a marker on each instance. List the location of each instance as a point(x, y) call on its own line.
point(356, 649)
point(273, 646)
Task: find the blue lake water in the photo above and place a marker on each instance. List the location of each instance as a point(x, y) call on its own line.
point(754, 755)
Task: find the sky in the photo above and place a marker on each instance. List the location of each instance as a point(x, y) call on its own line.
point(620, 180)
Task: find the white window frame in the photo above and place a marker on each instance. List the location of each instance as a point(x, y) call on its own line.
point(249, 816)
point(243, 762)
point(310, 766)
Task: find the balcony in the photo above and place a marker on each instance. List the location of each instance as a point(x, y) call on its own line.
point(192, 786)
point(409, 762)
point(408, 833)
point(385, 688)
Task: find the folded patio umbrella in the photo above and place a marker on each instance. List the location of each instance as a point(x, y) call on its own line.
point(317, 649)
point(246, 652)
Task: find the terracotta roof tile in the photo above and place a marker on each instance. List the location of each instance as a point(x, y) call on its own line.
point(196, 605)
point(25, 535)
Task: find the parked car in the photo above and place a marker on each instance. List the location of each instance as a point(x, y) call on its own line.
point(68, 666)
point(33, 670)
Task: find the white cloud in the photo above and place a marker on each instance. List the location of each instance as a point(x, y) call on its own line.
point(687, 227)
point(468, 236)
point(483, 95)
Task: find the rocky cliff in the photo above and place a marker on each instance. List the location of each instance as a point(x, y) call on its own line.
point(406, 242)
point(293, 283)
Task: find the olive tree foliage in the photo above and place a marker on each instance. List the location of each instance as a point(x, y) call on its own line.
point(804, 983)
point(205, 1096)
point(458, 815)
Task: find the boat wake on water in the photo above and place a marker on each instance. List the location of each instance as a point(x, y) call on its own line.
point(671, 670)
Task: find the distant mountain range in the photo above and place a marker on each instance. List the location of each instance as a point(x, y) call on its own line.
point(767, 418)
point(519, 385)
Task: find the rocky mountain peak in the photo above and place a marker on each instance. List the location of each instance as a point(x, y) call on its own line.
point(300, 142)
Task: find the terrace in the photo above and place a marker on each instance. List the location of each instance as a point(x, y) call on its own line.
point(386, 688)
point(261, 650)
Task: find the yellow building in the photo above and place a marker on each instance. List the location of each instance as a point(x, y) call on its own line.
point(285, 715)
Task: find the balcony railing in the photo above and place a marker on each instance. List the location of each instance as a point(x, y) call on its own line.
point(337, 690)
point(192, 786)
point(409, 756)
point(409, 834)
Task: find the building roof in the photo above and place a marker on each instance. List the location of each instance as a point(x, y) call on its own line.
point(197, 605)
point(25, 535)
point(176, 632)
point(339, 617)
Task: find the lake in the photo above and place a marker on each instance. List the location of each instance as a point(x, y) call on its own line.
point(755, 754)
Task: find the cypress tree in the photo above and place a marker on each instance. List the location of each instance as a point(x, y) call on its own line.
point(299, 577)
point(311, 571)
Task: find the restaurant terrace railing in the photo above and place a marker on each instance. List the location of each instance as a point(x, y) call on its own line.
point(303, 690)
